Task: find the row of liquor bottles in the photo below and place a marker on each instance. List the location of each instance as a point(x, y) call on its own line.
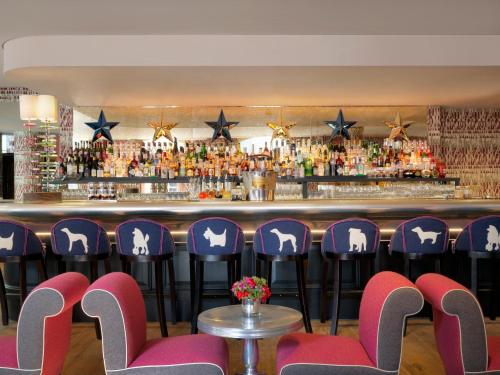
point(297, 158)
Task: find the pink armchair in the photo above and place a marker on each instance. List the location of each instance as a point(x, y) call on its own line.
point(115, 299)
point(459, 328)
point(387, 300)
point(44, 328)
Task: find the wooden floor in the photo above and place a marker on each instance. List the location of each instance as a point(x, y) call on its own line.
point(419, 352)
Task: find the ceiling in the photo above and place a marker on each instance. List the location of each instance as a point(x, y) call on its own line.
point(257, 85)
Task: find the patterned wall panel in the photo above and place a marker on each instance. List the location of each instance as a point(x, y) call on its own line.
point(66, 129)
point(468, 140)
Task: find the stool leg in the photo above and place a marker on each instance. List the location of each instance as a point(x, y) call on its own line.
point(22, 280)
point(93, 277)
point(270, 276)
point(3, 301)
point(258, 269)
point(192, 281)
point(124, 265)
point(238, 269)
point(473, 275)
point(407, 273)
point(42, 270)
point(173, 294)
point(337, 288)
point(107, 266)
point(299, 265)
point(496, 290)
point(61, 266)
point(159, 298)
point(197, 296)
point(493, 292)
point(230, 278)
point(324, 291)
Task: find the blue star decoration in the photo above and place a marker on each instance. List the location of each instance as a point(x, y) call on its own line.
point(102, 128)
point(340, 126)
point(221, 127)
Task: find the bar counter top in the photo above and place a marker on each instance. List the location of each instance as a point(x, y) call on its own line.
point(318, 214)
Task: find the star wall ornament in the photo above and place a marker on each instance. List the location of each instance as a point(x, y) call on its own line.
point(340, 127)
point(398, 128)
point(281, 130)
point(162, 129)
point(102, 128)
point(221, 127)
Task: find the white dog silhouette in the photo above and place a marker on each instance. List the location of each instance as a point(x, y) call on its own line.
point(215, 239)
point(7, 243)
point(75, 237)
point(357, 239)
point(283, 237)
point(140, 242)
point(493, 238)
point(423, 236)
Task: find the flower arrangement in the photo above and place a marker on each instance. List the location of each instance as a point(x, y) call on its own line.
point(251, 288)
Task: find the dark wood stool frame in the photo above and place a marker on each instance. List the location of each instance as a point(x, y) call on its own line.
point(21, 260)
point(157, 260)
point(336, 259)
point(300, 269)
point(196, 271)
point(93, 261)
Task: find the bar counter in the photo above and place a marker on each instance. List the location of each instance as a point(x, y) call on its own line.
point(318, 214)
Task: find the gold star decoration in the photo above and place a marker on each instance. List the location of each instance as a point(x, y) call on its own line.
point(162, 129)
point(281, 130)
point(398, 128)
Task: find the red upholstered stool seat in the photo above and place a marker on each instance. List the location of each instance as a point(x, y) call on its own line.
point(8, 352)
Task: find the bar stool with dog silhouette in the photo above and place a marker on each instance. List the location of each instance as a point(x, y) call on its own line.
point(146, 241)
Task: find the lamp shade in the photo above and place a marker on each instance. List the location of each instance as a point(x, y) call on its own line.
point(47, 108)
point(28, 107)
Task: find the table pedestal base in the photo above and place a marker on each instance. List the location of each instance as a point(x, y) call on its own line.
point(250, 357)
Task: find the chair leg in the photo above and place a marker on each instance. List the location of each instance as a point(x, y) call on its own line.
point(22, 280)
point(61, 266)
point(192, 281)
point(160, 301)
point(124, 265)
point(299, 265)
point(230, 278)
point(473, 276)
point(93, 277)
point(496, 288)
point(258, 269)
point(107, 266)
point(3, 301)
point(337, 288)
point(493, 292)
point(197, 296)
point(324, 292)
point(407, 267)
point(238, 269)
point(270, 276)
point(42, 270)
point(173, 294)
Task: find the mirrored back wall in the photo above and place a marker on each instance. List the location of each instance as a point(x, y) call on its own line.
point(309, 121)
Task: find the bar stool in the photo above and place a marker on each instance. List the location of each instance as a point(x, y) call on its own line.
point(19, 244)
point(78, 240)
point(214, 239)
point(346, 240)
point(146, 241)
point(283, 240)
point(419, 239)
point(480, 239)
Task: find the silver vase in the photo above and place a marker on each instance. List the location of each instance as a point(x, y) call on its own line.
point(250, 307)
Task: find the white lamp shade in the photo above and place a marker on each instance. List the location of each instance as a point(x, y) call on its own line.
point(28, 107)
point(47, 108)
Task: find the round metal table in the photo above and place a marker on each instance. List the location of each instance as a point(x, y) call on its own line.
point(228, 321)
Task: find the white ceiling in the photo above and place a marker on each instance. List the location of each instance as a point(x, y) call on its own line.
point(252, 85)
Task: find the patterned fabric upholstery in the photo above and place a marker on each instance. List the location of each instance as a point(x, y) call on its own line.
point(44, 328)
point(387, 299)
point(459, 327)
point(482, 235)
point(421, 235)
point(351, 236)
point(17, 239)
point(117, 301)
point(282, 237)
point(79, 237)
point(143, 237)
point(215, 236)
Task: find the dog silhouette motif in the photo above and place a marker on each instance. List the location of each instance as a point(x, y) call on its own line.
point(140, 242)
point(7, 243)
point(357, 240)
point(424, 236)
point(492, 238)
point(284, 237)
point(215, 239)
point(75, 237)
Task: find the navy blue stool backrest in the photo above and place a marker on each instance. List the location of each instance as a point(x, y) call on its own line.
point(481, 235)
point(78, 236)
point(16, 239)
point(143, 237)
point(351, 236)
point(215, 236)
point(282, 237)
point(421, 235)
